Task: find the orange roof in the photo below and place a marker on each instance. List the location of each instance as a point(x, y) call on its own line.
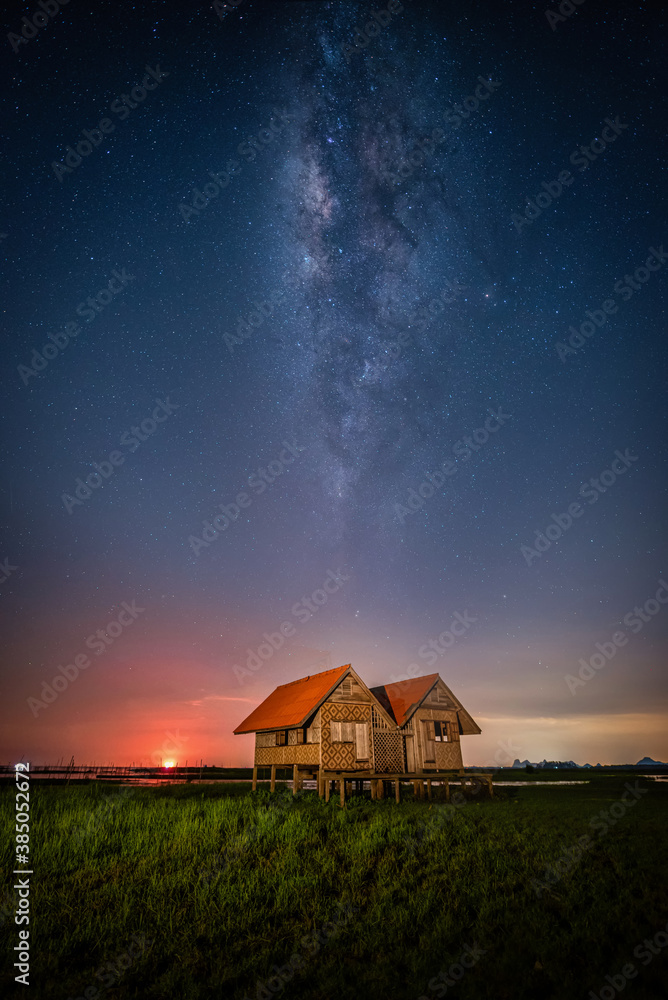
point(401, 699)
point(290, 704)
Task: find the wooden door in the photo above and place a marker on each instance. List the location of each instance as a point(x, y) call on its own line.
point(410, 754)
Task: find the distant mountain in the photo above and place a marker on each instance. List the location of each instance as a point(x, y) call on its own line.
point(569, 764)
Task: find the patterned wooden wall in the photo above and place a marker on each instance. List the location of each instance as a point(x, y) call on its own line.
point(304, 753)
point(451, 751)
point(341, 756)
point(448, 755)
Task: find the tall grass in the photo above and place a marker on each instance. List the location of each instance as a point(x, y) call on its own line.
point(228, 884)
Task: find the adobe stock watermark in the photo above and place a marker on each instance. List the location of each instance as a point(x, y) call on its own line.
point(438, 985)
point(88, 310)
point(311, 944)
point(100, 642)
point(463, 450)
point(112, 971)
point(601, 822)
point(258, 482)
point(372, 28)
point(634, 620)
point(580, 158)
point(645, 952)
point(6, 570)
point(99, 817)
point(248, 149)
point(566, 8)
point(47, 11)
point(425, 316)
point(247, 325)
point(223, 9)
point(130, 439)
point(266, 817)
point(591, 490)
point(303, 610)
point(625, 288)
point(173, 744)
point(431, 650)
point(427, 147)
point(94, 137)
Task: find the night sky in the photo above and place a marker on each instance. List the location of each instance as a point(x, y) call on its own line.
point(240, 299)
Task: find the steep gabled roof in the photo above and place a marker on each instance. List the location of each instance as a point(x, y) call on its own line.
point(404, 697)
point(291, 704)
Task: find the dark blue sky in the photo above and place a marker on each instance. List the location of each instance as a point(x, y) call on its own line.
point(292, 308)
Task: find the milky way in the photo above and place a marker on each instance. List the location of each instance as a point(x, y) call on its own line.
point(322, 251)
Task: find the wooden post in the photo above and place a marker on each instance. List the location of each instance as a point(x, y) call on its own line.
point(372, 782)
point(327, 783)
point(295, 779)
point(490, 786)
point(397, 790)
point(272, 783)
point(255, 778)
point(342, 791)
point(321, 784)
point(429, 789)
point(447, 789)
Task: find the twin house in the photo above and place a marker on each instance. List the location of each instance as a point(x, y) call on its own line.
point(332, 723)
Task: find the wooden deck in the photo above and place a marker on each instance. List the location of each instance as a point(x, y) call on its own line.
point(382, 784)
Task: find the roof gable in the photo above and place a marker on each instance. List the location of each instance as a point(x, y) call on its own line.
point(291, 704)
point(404, 697)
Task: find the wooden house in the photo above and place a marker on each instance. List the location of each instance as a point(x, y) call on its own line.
point(331, 725)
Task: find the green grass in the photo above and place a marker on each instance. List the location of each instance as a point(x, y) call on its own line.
point(227, 884)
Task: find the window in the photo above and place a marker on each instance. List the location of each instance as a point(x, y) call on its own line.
point(362, 740)
point(341, 732)
point(429, 744)
point(300, 736)
point(442, 733)
point(347, 687)
point(282, 738)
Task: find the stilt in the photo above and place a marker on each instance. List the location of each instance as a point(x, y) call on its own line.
point(295, 779)
point(327, 785)
point(446, 782)
point(272, 783)
point(321, 784)
point(254, 785)
point(342, 791)
point(397, 790)
point(429, 789)
point(372, 783)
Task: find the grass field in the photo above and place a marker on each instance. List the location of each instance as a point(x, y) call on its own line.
point(215, 892)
